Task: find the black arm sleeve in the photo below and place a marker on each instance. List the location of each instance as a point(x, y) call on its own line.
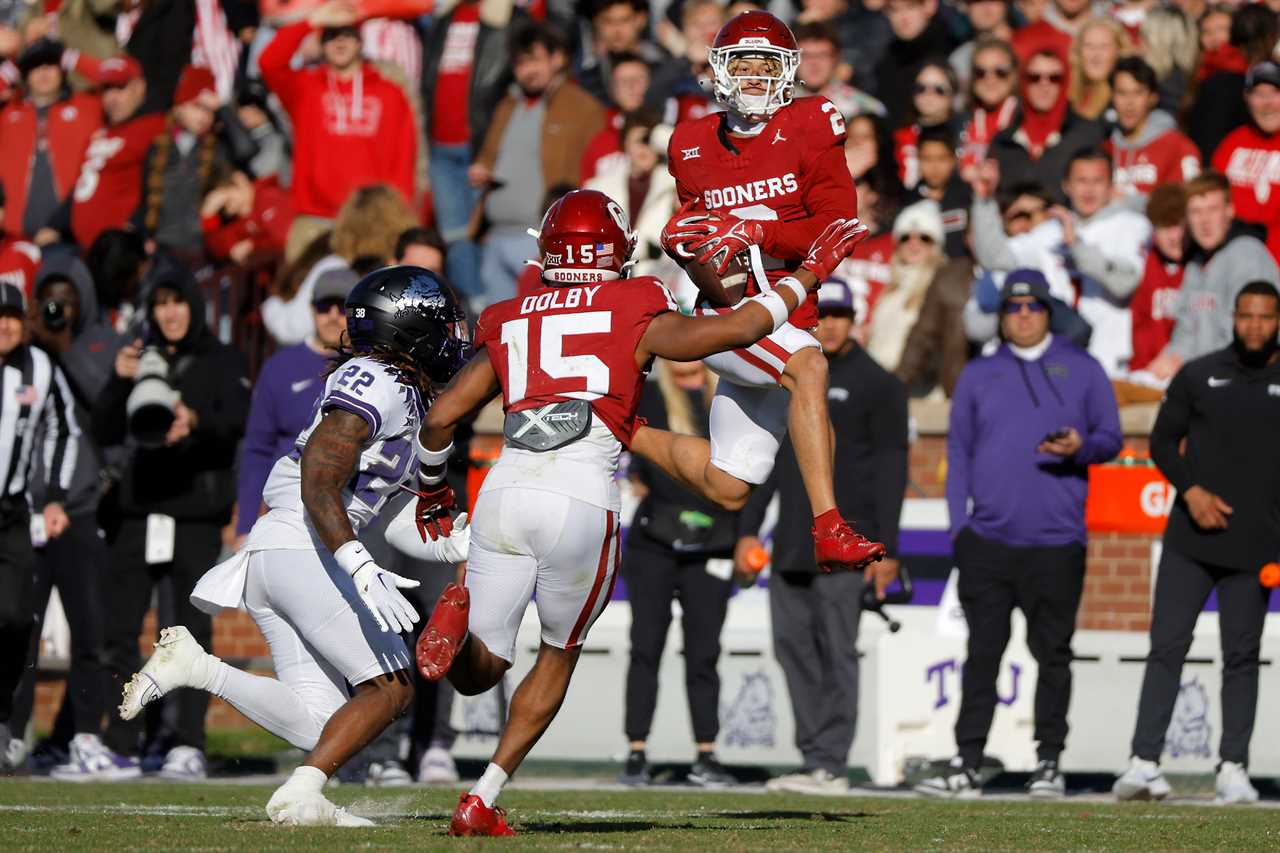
point(889, 442)
point(1172, 424)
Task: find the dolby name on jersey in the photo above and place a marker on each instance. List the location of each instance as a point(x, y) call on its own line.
point(756, 191)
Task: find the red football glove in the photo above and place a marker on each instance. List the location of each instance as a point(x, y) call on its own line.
point(729, 236)
point(686, 226)
point(432, 515)
point(834, 245)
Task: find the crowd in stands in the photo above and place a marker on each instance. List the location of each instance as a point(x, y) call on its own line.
point(1129, 150)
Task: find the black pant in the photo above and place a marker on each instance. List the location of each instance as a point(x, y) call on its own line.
point(1182, 587)
point(655, 575)
point(1045, 583)
point(129, 592)
point(815, 639)
point(74, 563)
point(17, 567)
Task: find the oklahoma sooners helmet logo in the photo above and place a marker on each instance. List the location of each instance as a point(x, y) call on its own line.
point(619, 215)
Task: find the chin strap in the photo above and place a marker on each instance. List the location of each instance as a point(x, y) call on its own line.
point(741, 126)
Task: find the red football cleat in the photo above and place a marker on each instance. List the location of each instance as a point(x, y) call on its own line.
point(442, 639)
point(841, 547)
point(473, 817)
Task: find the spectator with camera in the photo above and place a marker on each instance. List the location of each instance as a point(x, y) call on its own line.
point(67, 326)
point(814, 615)
point(43, 405)
point(1215, 439)
point(177, 402)
point(1026, 422)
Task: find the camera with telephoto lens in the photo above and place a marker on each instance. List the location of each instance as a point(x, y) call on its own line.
point(53, 314)
point(151, 403)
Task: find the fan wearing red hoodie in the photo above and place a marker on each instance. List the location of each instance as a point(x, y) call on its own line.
point(19, 259)
point(1037, 146)
point(352, 127)
point(993, 76)
point(1152, 305)
point(1146, 146)
point(1250, 155)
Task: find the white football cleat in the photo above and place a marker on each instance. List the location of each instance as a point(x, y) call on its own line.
point(1233, 785)
point(292, 806)
point(1141, 781)
point(178, 661)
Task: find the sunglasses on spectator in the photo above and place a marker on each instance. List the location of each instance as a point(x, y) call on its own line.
point(1034, 306)
point(934, 88)
point(1003, 72)
point(923, 238)
point(1055, 78)
point(324, 306)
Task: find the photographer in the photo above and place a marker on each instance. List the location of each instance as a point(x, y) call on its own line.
point(39, 400)
point(179, 406)
point(66, 324)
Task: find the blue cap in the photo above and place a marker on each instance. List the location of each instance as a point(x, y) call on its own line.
point(1025, 281)
point(835, 294)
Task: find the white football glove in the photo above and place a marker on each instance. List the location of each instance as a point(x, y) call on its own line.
point(402, 534)
point(378, 588)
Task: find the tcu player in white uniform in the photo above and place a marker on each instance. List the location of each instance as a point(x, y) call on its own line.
point(330, 615)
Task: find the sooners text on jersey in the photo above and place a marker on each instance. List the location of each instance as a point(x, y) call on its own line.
point(793, 173)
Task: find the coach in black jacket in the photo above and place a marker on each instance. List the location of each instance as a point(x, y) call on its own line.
point(1224, 526)
point(815, 616)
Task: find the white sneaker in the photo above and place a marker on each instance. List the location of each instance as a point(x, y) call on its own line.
point(92, 761)
point(15, 753)
point(818, 781)
point(178, 661)
point(388, 775)
point(1234, 785)
point(436, 767)
point(956, 782)
point(1142, 781)
point(291, 806)
point(184, 764)
point(1047, 781)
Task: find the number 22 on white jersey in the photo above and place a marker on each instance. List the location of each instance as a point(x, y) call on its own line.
point(550, 356)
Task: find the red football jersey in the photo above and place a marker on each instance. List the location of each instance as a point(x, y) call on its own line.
point(110, 183)
point(792, 176)
point(575, 342)
point(1152, 309)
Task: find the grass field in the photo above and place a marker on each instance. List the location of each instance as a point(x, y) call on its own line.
point(37, 815)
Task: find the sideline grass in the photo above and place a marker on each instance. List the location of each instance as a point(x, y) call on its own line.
point(47, 816)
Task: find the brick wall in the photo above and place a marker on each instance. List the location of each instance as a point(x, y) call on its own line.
point(1116, 593)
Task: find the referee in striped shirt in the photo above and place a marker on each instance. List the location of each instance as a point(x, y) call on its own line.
point(35, 416)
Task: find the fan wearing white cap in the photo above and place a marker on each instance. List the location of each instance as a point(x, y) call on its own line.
point(917, 257)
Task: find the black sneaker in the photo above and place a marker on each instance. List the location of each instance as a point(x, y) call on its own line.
point(953, 781)
point(1046, 781)
point(707, 772)
point(636, 771)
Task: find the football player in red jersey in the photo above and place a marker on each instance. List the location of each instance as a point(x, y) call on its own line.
point(770, 174)
point(570, 361)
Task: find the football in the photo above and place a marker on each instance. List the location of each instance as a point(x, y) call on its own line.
point(721, 291)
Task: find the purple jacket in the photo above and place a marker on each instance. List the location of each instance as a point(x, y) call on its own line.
point(284, 401)
point(1001, 410)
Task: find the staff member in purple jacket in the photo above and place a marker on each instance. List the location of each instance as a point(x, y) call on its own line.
point(1026, 422)
point(285, 395)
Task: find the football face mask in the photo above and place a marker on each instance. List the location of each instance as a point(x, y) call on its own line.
point(754, 81)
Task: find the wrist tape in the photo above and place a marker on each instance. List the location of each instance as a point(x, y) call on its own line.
point(351, 556)
point(772, 302)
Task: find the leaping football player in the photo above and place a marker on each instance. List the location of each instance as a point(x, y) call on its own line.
point(760, 181)
point(329, 613)
point(569, 362)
